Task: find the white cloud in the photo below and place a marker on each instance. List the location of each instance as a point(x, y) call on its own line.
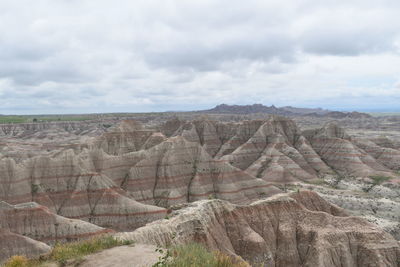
point(102, 56)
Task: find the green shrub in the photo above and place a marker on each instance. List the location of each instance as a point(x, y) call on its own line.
point(195, 255)
point(379, 179)
point(316, 182)
point(17, 261)
point(61, 253)
point(376, 180)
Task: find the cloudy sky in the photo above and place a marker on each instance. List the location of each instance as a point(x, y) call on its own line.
point(77, 56)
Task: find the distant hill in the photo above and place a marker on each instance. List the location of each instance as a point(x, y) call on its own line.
point(319, 111)
point(285, 111)
point(247, 109)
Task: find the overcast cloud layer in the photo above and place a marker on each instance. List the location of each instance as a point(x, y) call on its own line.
point(75, 56)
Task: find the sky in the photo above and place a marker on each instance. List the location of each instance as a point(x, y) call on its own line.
point(97, 56)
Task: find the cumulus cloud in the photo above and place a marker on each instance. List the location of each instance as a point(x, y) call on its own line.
point(102, 56)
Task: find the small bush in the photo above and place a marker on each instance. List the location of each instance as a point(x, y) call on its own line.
point(316, 182)
point(378, 179)
point(17, 261)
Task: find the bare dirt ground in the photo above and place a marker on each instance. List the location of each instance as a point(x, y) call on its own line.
point(137, 255)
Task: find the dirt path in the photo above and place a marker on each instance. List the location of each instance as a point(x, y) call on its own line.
point(137, 255)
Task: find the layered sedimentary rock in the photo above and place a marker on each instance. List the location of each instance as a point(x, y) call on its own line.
point(94, 186)
point(388, 157)
point(49, 129)
point(69, 187)
point(178, 171)
point(13, 244)
point(39, 223)
point(273, 150)
point(127, 136)
point(124, 176)
point(278, 231)
point(345, 156)
point(278, 151)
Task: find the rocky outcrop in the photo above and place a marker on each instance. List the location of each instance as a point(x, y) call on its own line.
point(285, 111)
point(248, 109)
point(127, 136)
point(124, 176)
point(388, 157)
point(342, 153)
point(273, 150)
point(39, 223)
point(278, 231)
point(13, 244)
point(68, 186)
point(40, 130)
point(105, 189)
point(178, 171)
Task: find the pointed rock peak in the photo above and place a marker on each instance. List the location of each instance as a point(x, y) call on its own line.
point(332, 130)
point(176, 140)
point(127, 126)
point(170, 127)
point(283, 122)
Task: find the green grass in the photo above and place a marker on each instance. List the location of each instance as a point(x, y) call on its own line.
point(41, 118)
point(316, 182)
point(74, 251)
point(13, 119)
point(64, 118)
point(196, 255)
point(17, 261)
point(379, 114)
point(61, 253)
point(379, 179)
point(376, 180)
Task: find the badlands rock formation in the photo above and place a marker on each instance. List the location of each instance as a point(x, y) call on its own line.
point(349, 156)
point(276, 150)
point(279, 231)
point(39, 223)
point(12, 244)
point(95, 178)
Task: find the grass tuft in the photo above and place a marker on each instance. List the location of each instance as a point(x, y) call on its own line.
point(74, 251)
point(316, 182)
point(61, 253)
point(17, 261)
point(196, 255)
point(379, 179)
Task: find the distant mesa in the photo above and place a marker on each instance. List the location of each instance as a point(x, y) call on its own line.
point(284, 111)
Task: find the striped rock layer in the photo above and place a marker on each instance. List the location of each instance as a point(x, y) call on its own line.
point(278, 231)
point(129, 175)
point(80, 192)
point(276, 150)
point(350, 156)
point(29, 229)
